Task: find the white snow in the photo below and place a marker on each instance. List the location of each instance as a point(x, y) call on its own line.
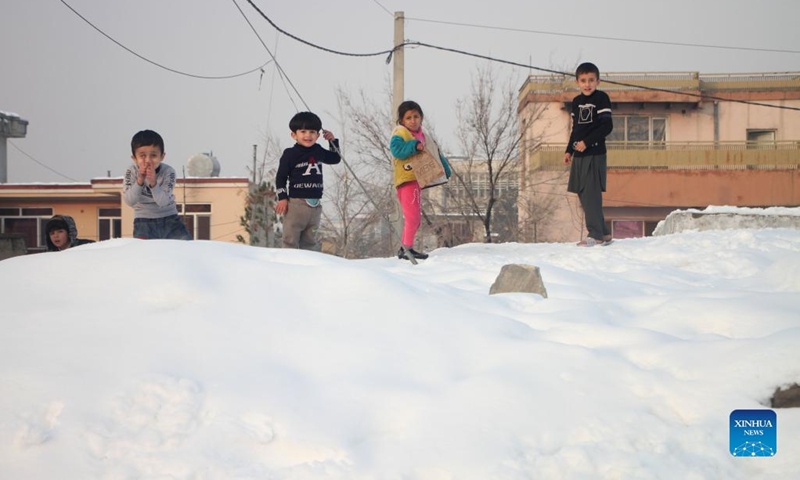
point(132, 359)
point(792, 211)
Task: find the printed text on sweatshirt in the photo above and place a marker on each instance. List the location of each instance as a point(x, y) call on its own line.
point(300, 170)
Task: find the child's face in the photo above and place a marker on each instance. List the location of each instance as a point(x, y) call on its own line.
point(148, 155)
point(60, 238)
point(412, 120)
point(305, 137)
point(587, 83)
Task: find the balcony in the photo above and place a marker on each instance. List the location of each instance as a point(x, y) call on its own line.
point(681, 155)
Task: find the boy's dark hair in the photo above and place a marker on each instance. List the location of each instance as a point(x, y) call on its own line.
point(305, 121)
point(406, 107)
point(587, 67)
point(146, 138)
point(57, 223)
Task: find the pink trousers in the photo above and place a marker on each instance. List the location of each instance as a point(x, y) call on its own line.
point(409, 196)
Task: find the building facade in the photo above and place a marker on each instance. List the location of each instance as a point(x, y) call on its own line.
point(680, 140)
point(457, 210)
point(210, 206)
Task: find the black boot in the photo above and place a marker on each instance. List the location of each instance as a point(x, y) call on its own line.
point(417, 255)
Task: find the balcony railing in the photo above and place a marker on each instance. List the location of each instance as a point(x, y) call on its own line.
point(681, 155)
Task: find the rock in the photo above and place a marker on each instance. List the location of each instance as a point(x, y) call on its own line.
point(519, 278)
point(787, 398)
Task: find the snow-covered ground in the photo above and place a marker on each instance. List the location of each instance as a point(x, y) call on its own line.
point(133, 359)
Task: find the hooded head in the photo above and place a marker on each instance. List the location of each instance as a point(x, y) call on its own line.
point(58, 223)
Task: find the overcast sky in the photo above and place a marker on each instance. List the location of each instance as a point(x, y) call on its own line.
point(85, 96)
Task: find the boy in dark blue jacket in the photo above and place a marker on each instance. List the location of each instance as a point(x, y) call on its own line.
point(299, 181)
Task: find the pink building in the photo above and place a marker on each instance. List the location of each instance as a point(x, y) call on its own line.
point(690, 141)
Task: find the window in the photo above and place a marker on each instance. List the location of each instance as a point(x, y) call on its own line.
point(109, 223)
point(640, 129)
point(197, 219)
point(760, 139)
point(627, 228)
point(30, 222)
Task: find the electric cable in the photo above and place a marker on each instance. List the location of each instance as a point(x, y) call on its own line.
point(508, 62)
point(202, 77)
point(284, 77)
point(335, 149)
point(384, 8)
point(597, 37)
point(319, 47)
point(42, 164)
point(605, 80)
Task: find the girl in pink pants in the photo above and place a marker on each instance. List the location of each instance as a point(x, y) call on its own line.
point(407, 140)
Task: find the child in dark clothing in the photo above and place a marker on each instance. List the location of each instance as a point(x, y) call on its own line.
point(299, 181)
point(586, 150)
point(62, 233)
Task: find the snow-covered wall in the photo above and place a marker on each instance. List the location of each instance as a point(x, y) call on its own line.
point(727, 218)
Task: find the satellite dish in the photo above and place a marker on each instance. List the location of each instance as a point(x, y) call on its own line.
point(202, 165)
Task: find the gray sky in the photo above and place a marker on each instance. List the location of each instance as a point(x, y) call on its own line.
point(85, 97)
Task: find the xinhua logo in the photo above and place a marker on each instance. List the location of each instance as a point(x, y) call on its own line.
point(754, 433)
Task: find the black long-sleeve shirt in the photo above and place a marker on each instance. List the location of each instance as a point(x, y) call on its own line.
point(591, 123)
point(300, 170)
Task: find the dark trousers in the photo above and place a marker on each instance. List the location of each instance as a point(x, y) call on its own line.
point(587, 178)
point(167, 228)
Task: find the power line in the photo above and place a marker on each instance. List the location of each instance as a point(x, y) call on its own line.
point(341, 155)
point(284, 77)
point(40, 163)
point(319, 47)
point(203, 77)
point(384, 8)
point(508, 62)
point(596, 37)
point(653, 89)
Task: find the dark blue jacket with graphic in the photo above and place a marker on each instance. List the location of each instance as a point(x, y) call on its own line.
point(300, 170)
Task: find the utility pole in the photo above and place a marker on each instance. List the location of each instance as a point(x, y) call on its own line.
point(398, 61)
point(398, 95)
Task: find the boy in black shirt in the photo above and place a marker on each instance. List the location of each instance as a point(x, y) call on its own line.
point(591, 123)
point(299, 181)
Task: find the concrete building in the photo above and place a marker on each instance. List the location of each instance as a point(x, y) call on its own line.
point(691, 140)
point(211, 208)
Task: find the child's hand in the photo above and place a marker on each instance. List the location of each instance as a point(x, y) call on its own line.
point(327, 135)
point(282, 207)
point(580, 146)
point(150, 175)
point(420, 146)
point(567, 158)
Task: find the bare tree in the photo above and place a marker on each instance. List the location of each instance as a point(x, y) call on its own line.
point(490, 138)
point(359, 196)
point(259, 219)
point(490, 141)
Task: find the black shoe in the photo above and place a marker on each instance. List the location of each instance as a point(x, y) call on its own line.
point(407, 253)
